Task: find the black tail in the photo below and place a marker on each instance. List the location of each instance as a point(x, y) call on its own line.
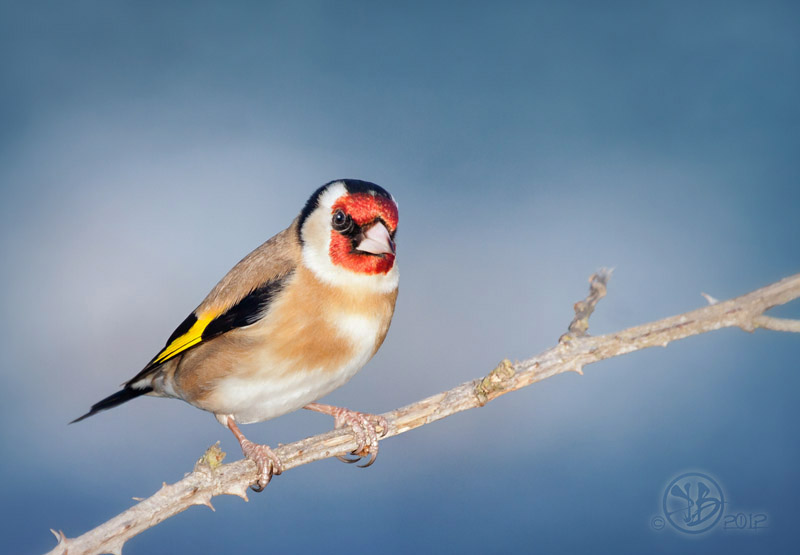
point(112, 401)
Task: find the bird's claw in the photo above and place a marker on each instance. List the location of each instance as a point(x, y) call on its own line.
point(266, 460)
point(364, 428)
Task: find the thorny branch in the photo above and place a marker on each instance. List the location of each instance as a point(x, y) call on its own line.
point(575, 350)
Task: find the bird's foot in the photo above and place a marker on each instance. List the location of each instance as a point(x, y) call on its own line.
point(267, 462)
point(364, 426)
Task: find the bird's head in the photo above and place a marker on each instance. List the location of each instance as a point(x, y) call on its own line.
point(347, 231)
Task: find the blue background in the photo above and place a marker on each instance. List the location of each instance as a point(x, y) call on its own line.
point(146, 147)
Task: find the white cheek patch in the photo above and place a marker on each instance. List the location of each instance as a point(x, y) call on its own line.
point(327, 272)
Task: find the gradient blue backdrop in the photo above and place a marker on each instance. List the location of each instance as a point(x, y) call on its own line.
point(145, 147)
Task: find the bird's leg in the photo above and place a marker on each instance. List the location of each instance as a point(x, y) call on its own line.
point(363, 426)
point(265, 458)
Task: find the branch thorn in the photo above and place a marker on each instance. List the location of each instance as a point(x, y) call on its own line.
point(711, 300)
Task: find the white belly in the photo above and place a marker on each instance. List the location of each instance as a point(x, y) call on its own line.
point(277, 387)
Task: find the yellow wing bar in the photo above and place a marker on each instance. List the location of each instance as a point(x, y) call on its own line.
point(188, 339)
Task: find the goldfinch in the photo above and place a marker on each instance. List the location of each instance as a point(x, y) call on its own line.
point(292, 321)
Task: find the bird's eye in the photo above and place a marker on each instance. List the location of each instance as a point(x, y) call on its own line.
point(341, 222)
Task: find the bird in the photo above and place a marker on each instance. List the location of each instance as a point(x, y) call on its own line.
point(294, 320)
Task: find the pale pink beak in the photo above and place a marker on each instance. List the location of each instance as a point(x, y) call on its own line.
point(377, 240)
